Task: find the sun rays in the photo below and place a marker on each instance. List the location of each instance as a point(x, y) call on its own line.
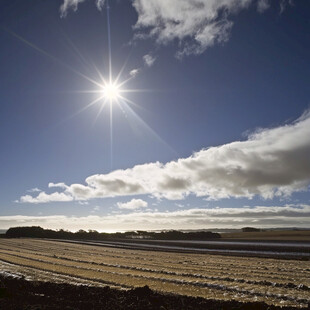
point(108, 91)
point(111, 92)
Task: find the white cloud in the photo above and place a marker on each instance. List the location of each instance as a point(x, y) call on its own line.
point(69, 4)
point(33, 190)
point(271, 162)
point(195, 24)
point(73, 5)
point(149, 60)
point(60, 185)
point(132, 204)
point(258, 216)
point(133, 73)
point(100, 4)
point(44, 198)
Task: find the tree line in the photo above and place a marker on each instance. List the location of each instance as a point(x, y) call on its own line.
point(39, 232)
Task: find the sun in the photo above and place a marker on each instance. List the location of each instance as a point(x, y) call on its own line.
point(111, 91)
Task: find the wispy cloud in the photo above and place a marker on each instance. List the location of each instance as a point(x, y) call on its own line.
point(134, 72)
point(258, 216)
point(83, 203)
point(149, 60)
point(132, 204)
point(95, 210)
point(33, 190)
point(271, 162)
point(73, 5)
point(195, 24)
point(263, 5)
point(284, 4)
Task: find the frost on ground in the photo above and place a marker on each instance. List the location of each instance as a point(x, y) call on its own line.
point(247, 279)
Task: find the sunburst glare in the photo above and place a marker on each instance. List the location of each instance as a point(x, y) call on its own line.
point(111, 92)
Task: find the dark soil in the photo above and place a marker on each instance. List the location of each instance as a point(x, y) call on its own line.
point(21, 294)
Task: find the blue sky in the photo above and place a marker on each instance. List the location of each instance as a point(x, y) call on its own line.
point(215, 131)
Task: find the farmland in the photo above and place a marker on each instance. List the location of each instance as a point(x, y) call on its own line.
point(280, 235)
point(277, 282)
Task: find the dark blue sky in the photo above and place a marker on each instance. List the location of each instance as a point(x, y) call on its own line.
point(257, 78)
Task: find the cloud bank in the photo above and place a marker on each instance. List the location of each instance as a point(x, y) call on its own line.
point(271, 162)
point(259, 216)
